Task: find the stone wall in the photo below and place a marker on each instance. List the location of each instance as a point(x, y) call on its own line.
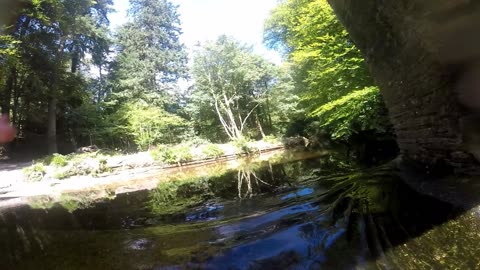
point(418, 51)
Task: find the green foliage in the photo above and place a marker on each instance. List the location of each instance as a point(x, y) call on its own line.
point(151, 57)
point(58, 160)
point(8, 46)
point(176, 196)
point(65, 201)
point(61, 175)
point(35, 172)
point(353, 113)
point(62, 167)
point(150, 125)
point(172, 154)
point(271, 139)
point(212, 151)
point(284, 102)
point(330, 74)
point(233, 85)
point(196, 141)
point(87, 166)
point(244, 146)
point(40, 56)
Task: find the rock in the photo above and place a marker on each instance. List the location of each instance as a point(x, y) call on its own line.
point(295, 142)
point(88, 149)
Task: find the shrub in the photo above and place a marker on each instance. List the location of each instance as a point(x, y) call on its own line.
point(244, 147)
point(162, 154)
point(172, 154)
point(183, 153)
point(196, 141)
point(35, 172)
point(62, 175)
point(87, 166)
point(103, 166)
point(213, 151)
point(271, 139)
point(58, 160)
point(149, 125)
point(46, 160)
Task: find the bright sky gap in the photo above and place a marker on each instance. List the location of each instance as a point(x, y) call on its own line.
point(204, 20)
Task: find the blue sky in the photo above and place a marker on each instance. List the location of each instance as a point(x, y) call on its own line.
point(207, 19)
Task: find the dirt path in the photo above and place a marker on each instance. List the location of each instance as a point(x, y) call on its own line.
point(11, 174)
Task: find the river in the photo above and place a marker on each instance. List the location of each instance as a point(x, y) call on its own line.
point(293, 211)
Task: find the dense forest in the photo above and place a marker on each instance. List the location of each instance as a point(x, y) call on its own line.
point(67, 80)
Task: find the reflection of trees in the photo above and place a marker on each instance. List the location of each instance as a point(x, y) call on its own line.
point(247, 176)
point(373, 218)
point(356, 206)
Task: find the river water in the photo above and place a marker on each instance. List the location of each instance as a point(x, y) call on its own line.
point(294, 211)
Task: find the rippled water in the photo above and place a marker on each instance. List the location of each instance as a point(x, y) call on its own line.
point(316, 213)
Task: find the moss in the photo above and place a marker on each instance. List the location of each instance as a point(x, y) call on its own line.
point(77, 201)
point(41, 202)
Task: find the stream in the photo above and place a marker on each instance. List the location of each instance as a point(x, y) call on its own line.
point(293, 211)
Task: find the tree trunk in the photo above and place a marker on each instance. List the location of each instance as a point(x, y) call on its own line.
point(18, 87)
point(222, 120)
point(233, 125)
point(6, 106)
point(267, 110)
point(52, 102)
point(52, 125)
point(259, 126)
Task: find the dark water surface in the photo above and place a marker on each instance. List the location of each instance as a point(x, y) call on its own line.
point(316, 213)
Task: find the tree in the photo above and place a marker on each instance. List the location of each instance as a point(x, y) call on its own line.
point(51, 39)
point(233, 82)
point(151, 125)
point(151, 58)
point(330, 73)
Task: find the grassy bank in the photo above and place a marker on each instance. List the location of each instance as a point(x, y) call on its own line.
point(102, 162)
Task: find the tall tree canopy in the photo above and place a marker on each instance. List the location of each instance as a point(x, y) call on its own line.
point(330, 73)
point(41, 56)
point(235, 84)
point(149, 62)
point(151, 58)
point(62, 74)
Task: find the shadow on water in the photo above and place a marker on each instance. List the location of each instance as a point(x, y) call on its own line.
point(301, 214)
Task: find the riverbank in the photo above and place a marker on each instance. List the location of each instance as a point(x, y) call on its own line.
point(128, 180)
point(96, 162)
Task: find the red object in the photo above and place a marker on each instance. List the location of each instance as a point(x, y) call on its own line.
point(7, 132)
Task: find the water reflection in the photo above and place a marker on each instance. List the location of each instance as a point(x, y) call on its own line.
point(268, 215)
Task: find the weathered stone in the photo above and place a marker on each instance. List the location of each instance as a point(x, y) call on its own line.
point(418, 52)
